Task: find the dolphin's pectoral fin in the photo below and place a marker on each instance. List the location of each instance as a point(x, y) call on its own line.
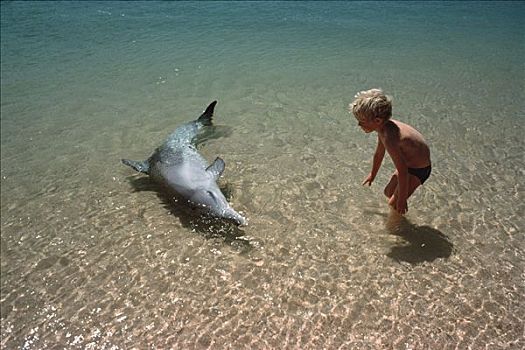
point(216, 168)
point(206, 117)
point(142, 167)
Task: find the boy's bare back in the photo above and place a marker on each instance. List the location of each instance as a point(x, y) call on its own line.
point(412, 145)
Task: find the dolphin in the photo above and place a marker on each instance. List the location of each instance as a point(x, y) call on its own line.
point(177, 165)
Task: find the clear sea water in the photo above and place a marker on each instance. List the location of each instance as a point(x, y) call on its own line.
point(95, 256)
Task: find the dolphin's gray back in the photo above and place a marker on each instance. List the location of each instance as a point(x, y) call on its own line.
point(179, 147)
point(177, 162)
point(186, 133)
point(183, 135)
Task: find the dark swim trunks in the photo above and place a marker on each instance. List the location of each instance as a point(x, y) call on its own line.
point(421, 173)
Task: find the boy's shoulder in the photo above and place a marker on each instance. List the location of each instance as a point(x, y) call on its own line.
point(397, 131)
point(392, 128)
point(396, 127)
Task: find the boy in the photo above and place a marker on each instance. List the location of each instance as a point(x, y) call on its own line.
point(405, 145)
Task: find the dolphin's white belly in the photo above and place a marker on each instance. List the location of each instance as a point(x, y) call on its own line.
point(186, 177)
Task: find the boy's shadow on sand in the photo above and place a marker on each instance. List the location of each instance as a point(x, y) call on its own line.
point(420, 243)
point(193, 218)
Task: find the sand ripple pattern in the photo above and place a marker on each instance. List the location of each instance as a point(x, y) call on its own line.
point(94, 256)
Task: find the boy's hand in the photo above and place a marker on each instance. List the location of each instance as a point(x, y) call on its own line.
point(369, 179)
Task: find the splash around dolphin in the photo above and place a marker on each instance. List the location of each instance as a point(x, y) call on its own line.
point(177, 165)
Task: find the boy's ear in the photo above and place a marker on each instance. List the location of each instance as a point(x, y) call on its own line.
point(377, 120)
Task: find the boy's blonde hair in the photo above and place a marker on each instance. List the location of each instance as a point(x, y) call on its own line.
point(372, 104)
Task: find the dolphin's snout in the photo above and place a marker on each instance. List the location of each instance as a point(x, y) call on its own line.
point(241, 221)
point(237, 218)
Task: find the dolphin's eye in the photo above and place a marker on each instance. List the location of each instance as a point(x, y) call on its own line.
point(212, 196)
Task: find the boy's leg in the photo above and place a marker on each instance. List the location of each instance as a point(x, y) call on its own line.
point(391, 187)
point(413, 183)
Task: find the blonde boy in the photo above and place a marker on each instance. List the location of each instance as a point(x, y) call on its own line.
point(405, 145)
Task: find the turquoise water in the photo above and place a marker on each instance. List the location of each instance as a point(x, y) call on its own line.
point(95, 256)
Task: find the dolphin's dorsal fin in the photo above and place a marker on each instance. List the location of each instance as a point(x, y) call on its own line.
point(207, 116)
point(142, 167)
point(216, 168)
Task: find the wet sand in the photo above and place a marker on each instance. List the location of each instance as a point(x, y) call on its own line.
point(95, 256)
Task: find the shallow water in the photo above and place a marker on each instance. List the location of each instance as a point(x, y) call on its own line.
point(96, 256)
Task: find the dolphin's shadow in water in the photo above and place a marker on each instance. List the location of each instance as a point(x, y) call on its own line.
point(420, 243)
point(194, 218)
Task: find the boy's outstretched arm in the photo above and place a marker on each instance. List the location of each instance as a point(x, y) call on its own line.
point(378, 159)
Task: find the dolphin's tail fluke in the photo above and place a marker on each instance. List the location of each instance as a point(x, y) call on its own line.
point(207, 116)
point(141, 167)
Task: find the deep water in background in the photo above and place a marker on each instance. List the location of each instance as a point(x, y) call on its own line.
point(96, 256)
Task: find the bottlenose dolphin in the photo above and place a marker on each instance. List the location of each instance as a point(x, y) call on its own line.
point(177, 165)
